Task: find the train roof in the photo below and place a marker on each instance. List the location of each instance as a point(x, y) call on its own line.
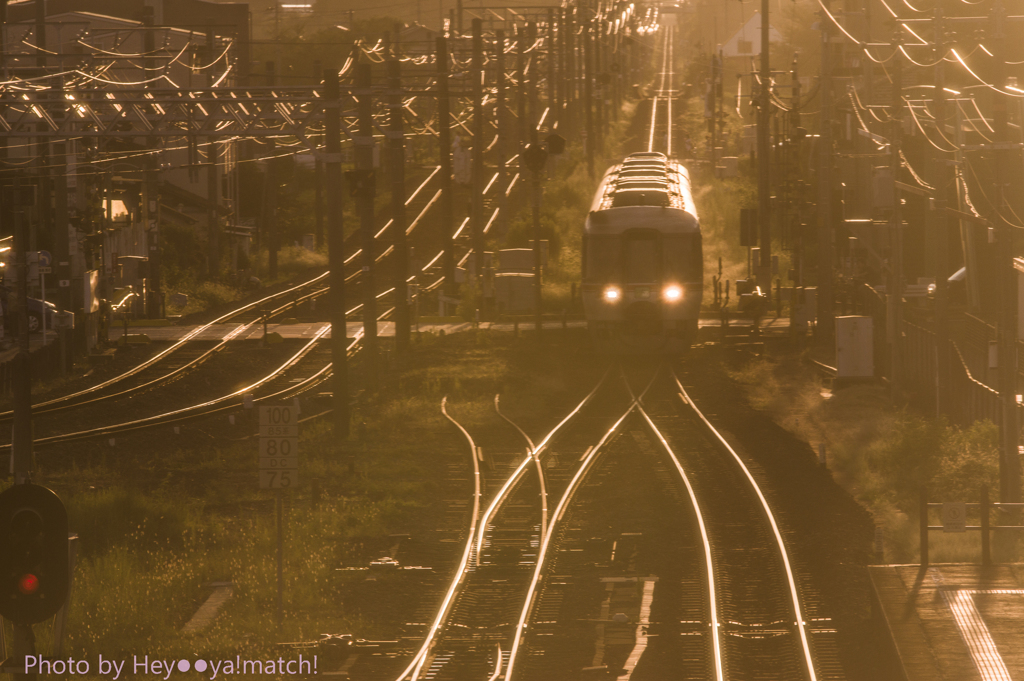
point(644, 191)
point(647, 179)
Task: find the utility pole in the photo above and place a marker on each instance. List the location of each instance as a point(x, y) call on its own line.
point(894, 287)
point(1009, 461)
point(477, 182)
point(61, 245)
point(150, 195)
point(594, 84)
point(212, 178)
point(569, 123)
point(938, 223)
point(501, 119)
point(16, 200)
point(445, 161)
point(711, 110)
point(521, 113)
point(318, 176)
point(336, 256)
point(588, 98)
point(825, 328)
point(764, 272)
point(554, 114)
point(559, 16)
point(270, 214)
point(398, 219)
point(530, 82)
point(364, 206)
point(534, 159)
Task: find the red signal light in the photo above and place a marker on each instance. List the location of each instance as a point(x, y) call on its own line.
point(28, 584)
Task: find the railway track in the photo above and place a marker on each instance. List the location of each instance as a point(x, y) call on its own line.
point(661, 554)
point(745, 619)
point(182, 355)
point(659, 136)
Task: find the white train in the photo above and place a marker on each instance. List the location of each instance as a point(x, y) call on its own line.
point(643, 264)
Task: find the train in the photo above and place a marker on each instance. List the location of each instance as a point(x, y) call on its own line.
point(643, 262)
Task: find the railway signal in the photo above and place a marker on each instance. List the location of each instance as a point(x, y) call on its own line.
point(555, 144)
point(34, 560)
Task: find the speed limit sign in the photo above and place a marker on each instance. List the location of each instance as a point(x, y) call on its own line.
point(279, 447)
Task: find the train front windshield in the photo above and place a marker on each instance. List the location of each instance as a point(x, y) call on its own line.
point(640, 260)
point(684, 259)
point(643, 258)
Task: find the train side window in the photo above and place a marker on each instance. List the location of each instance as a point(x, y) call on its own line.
point(641, 260)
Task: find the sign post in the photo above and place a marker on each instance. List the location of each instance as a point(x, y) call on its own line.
point(279, 469)
point(954, 517)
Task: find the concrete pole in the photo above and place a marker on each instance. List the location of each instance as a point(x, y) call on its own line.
point(764, 271)
point(894, 286)
point(336, 256)
point(398, 225)
point(445, 161)
point(364, 206)
point(825, 329)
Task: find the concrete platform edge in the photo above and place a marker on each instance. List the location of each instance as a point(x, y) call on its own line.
point(897, 613)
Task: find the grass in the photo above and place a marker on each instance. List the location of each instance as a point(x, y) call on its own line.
point(156, 533)
point(203, 295)
point(883, 456)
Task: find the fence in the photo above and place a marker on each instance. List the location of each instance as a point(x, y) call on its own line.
point(920, 359)
point(968, 398)
point(955, 520)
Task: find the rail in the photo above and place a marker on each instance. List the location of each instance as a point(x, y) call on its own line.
point(91, 390)
point(790, 577)
point(416, 666)
point(517, 474)
point(586, 464)
point(532, 451)
point(715, 626)
point(478, 534)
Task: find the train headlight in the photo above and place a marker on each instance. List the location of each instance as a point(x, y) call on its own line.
point(673, 293)
point(612, 294)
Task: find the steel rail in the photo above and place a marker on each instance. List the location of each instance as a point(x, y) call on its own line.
point(671, 83)
point(192, 409)
point(532, 453)
point(518, 473)
point(416, 665)
point(323, 374)
point(794, 592)
point(41, 406)
point(661, 89)
point(61, 406)
point(705, 539)
point(542, 555)
point(494, 506)
point(497, 666)
point(563, 504)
